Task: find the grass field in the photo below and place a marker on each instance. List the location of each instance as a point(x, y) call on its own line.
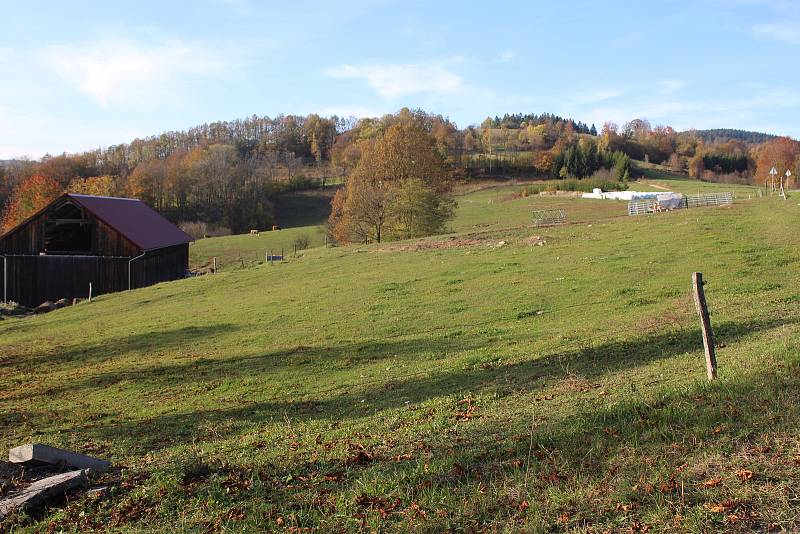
point(300, 214)
point(662, 178)
point(446, 384)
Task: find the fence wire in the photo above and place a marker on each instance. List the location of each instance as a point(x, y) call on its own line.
point(641, 206)
point(549, 217)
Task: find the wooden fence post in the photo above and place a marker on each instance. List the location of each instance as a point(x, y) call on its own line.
point(215, 265)
point(705, 324)
point(90, 292)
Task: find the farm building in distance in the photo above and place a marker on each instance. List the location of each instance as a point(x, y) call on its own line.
point(112, 243)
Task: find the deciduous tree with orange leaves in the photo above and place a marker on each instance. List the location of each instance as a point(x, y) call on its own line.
point(781, 153)
point(399, 188)
point(29, 197)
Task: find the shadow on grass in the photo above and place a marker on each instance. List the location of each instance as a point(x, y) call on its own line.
point(639, 461)
point(82, 355)
point(348, 401)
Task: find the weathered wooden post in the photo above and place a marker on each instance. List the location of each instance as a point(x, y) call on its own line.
point(215, 265)
point(90, 292)
point(5, 279)
point(705, 324)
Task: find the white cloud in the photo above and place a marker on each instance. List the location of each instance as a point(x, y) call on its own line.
point(391, 81)
point(671, 86)
point(779, 31)
point(112, 71)
point(598, 96)
point(507, 55)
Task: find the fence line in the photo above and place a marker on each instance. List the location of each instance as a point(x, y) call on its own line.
point(641, 206)
point(708, 199)
point(549, 217)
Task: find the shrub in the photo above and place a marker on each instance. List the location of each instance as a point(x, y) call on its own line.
point(583, 186)
point(302, 242)
point(196, 229)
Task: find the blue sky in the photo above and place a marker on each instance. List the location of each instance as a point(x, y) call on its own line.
point(78, 75)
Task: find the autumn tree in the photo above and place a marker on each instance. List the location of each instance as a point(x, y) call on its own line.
point(400, 187)
point(96, 185)
point(781, 153)
point(419, 210)
point(29, 197)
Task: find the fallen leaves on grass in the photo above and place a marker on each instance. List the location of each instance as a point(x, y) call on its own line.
point(359, 458)
point(554, 477)
point(235, 514)
point(744, 475)
point(133, 511)
point(712, 482)
point(417, 512)
point(721, 507)
point(614, 433)
point(382, 505)
point(467, 410)
point(358, 454)
point(742, 515)
point(670, 486)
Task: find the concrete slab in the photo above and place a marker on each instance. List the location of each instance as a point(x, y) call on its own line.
point(38, 454)
point(37, 493)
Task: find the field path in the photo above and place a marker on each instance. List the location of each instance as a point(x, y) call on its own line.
point(657, 186)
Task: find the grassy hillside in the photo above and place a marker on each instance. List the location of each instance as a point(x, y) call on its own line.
point(300, 214)
point(447, 383)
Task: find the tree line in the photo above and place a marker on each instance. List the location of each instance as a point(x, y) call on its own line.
point(230, 173)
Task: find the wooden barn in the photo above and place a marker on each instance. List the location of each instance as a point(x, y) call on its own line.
point(112, 243)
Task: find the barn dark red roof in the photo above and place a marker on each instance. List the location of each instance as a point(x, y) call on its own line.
point(134, 219)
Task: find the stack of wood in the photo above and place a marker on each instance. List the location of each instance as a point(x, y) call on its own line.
point(48, 461)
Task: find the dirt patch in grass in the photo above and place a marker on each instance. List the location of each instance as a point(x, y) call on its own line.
point(679, 313)
point(534, 241)
point(450, 242)
point(460, 242)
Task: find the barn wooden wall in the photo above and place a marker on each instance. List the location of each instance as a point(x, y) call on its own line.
point(160, 265)
point(36, 279)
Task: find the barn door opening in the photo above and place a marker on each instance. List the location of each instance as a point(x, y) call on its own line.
point(67, 230)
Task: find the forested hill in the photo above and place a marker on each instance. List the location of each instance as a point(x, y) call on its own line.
point(727, 134)
point(230, 174)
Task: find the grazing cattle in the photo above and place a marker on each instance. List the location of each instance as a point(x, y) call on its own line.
point(253, 232)
point(275, 227)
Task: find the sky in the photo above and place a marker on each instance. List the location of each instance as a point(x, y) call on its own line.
point(80, 75)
